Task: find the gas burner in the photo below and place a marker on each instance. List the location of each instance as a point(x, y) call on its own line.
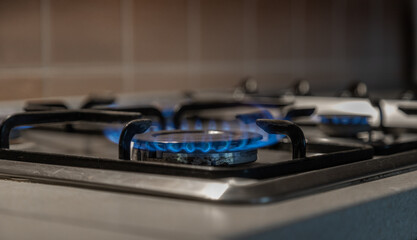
point(344, 125)
point(197, 147)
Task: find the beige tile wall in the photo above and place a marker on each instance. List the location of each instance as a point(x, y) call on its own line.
point(20, 88)
point(222, 30)
point(275, 30)
point(62, 47)
point(85, 31)
point(20, 33)
point(160, 30)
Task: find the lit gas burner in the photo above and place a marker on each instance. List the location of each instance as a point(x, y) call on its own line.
point(344, 125)
point(198, 147)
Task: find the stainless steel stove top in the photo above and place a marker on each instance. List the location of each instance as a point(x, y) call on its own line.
point(380, 209)
point(77, 183)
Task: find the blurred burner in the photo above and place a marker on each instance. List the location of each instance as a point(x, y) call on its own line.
point(98, 99)
point(356, 89)
point(302, 88)
point(344, 125)
point(197, 147)
point(408, 95)
point(253, 116)
point(45, 105)
point(248, 85)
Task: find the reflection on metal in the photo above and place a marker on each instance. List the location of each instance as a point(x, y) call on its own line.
point(225, 190)
point(214, 191)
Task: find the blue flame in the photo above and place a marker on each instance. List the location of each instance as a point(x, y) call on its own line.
point(113, 134)
point(205, 147)
point(168, 115)
point(168, 112)
point(156, 126)
point(212, 125)
point(23, 127)
point(184, 125)
point(344, 120)
point(207, 144)
point(198, 125)
point(225, 126)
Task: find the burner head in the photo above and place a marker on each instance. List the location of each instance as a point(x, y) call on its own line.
point(344, 125)
point(198, 147)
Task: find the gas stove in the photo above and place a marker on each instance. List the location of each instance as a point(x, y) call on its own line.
point(299, 159)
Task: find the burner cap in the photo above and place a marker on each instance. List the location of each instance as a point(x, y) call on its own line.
point(211, 147)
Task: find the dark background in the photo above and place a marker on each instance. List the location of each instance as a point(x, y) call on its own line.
point(62, 47)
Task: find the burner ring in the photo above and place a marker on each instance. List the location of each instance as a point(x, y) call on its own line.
point(198, 147)
point(208, 159)
point(195, 140)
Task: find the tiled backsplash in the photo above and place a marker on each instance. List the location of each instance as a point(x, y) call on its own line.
point(62, 47)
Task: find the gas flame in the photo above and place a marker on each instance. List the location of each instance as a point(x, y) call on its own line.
point(206, 145)
point(344, 120)
point(251, 137)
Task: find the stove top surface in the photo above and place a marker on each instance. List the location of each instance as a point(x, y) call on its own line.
point(51, 211)
point(272, 189)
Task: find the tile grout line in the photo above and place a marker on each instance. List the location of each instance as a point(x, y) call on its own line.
point(45, 28)
point(127, 17)
point(414, 35)
point(376, 22)
point(339, 47)
point(267, 66)
point(194, 42)
point(250, 38)
point(298, 25)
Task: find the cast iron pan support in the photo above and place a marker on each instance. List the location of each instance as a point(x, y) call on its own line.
point(181, 110)
point(145, 110)
point(129, 131)
point(34, 118)
point(288, 128)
